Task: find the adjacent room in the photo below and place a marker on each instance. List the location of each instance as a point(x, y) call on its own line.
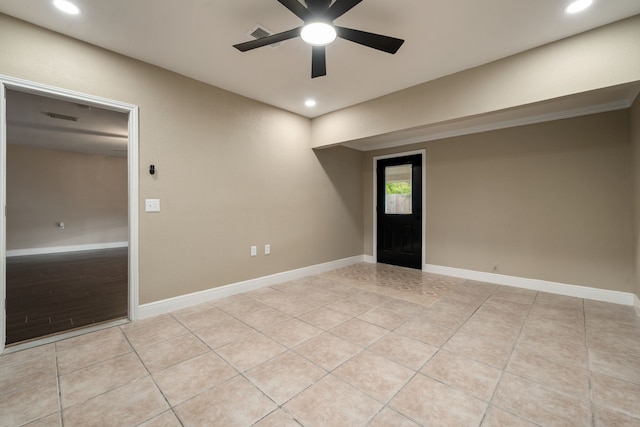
point(67, 229)
point(431, 217)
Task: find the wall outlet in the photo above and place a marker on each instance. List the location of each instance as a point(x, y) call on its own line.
point(267, 249)
point(254, 250)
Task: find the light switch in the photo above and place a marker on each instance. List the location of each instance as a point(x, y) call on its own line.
point(152, 205)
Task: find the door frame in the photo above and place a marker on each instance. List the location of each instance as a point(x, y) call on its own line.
point(7, 82)
point(423, 152)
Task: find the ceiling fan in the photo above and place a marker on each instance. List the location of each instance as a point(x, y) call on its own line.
point(318, 31)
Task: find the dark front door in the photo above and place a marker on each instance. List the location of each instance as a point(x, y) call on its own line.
point(399, 211)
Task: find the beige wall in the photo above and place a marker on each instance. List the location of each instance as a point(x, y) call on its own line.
point(635, 142)
point(231, 172)
point(86, 192)
point(600, 58)
point(550, 201)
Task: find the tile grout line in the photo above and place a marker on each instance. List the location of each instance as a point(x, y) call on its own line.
point(592, 405)
point(544, 385)
point(133, 350)
point(212, 350)
point(504, 369)
point(417, 371)
point(96, 364)
point(58, 384)
point(432, 356)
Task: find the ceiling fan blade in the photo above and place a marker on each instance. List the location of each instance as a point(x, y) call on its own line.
point(375, 41)
point(265, 41)
point(340, 7)
point(296, 8)
point(318, 62)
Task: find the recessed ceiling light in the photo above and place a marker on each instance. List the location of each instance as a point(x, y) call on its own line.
point(66, 7)
point(578, 6)
point(310, 103)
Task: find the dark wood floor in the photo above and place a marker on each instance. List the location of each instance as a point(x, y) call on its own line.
point(48, 294)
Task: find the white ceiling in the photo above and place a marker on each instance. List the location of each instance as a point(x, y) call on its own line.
point(195, 38)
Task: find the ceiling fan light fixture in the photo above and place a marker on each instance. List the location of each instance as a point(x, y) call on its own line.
point(318, 33)
point(578, 6)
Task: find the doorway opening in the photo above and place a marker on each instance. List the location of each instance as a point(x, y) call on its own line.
point(68, 251)
point(399, 209)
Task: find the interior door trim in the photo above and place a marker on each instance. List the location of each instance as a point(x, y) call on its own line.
point(423, 152)
point(7, 82)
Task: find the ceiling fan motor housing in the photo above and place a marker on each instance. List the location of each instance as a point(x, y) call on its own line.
point(318, 6)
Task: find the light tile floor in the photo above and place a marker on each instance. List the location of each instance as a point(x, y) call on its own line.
point(365, 345)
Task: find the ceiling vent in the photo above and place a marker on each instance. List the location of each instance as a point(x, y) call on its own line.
point(62, 117)
point(259, 32)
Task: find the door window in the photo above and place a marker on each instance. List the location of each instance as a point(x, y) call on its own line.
point(398, 190)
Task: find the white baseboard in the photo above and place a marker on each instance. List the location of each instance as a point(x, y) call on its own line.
point(586, 292)
point(184, 301)
point(61, 249)
point(370, 259)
